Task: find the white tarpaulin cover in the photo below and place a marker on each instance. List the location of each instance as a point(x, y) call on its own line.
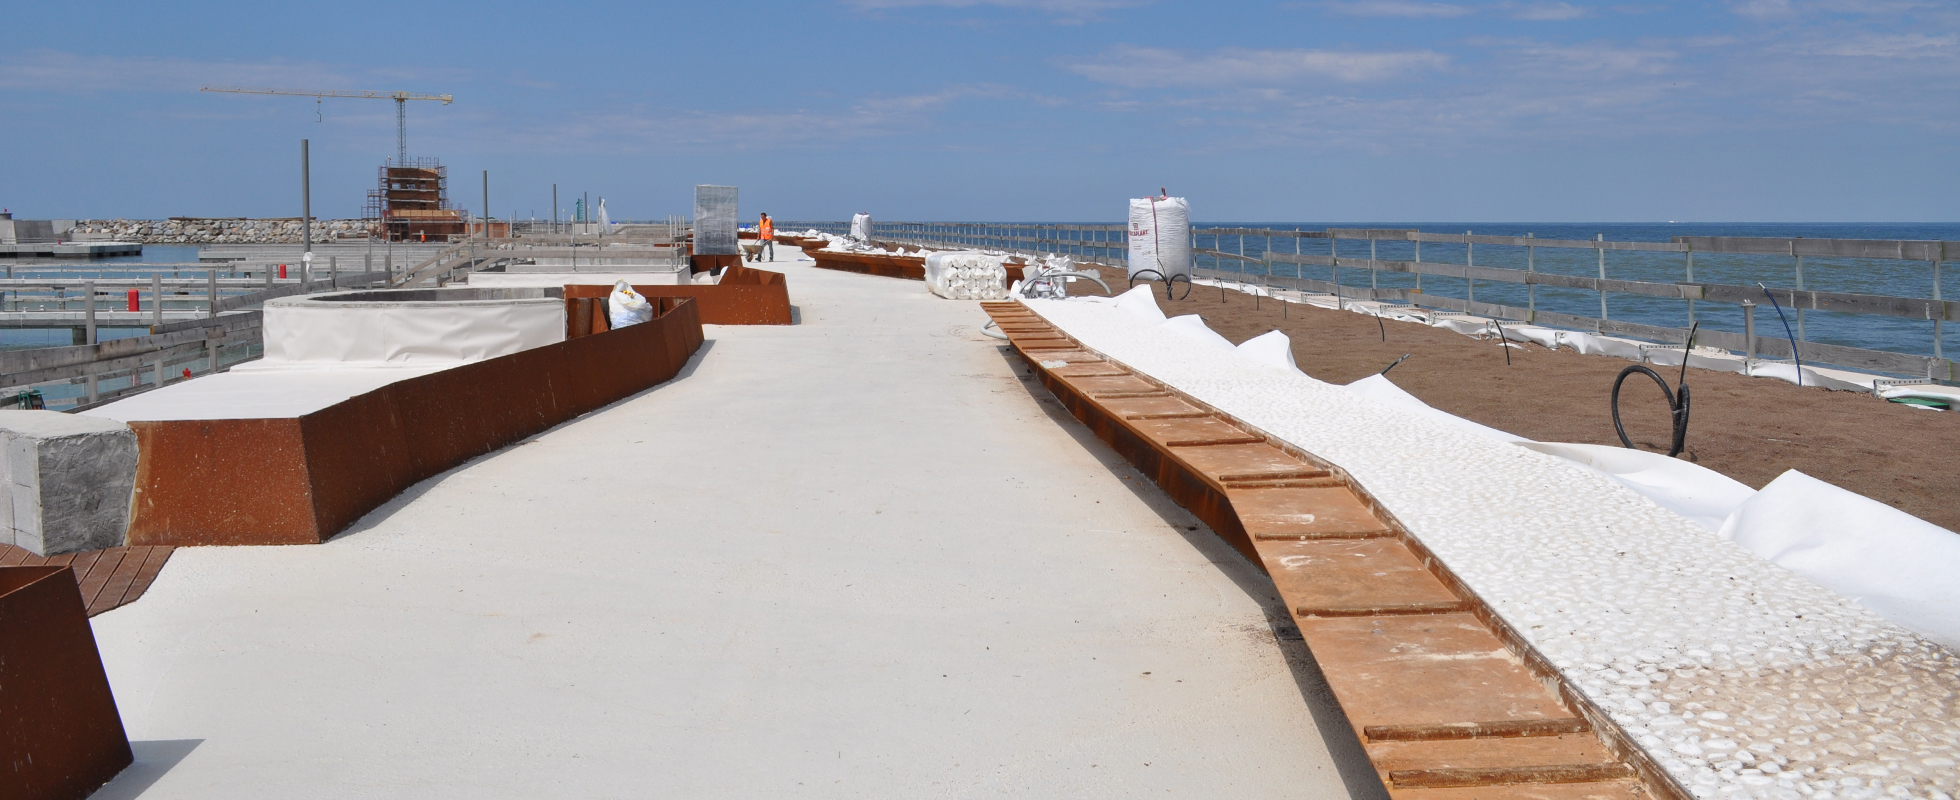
point(316, 330)
point(1271, 347)
point(1379, 387)
point(1703, 495)
point(1194, 326)
point(1902, 567)
point(1160, 236)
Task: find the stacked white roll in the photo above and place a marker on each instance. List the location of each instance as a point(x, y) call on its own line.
point(966, 275)
point(1160, 236)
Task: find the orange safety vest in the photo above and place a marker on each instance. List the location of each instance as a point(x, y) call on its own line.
point(767, 230)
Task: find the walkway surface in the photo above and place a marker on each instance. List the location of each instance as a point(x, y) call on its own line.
point(862, 556)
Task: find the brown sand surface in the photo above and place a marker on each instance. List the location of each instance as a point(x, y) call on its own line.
point(1750, 429)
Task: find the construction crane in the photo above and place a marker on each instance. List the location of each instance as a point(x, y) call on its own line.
point(401, 106)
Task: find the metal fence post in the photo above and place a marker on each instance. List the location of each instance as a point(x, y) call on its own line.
point(333, 268)
point(1601, 239)
point(88, 312)
point(1938, 256)
point(210, 293)
point(1749, 331)
point(1691, 279)
point(1793, 298)
point(1374, 275)
point(1418, 261)
point(1469, 260)
point(1531, 289)
point(156, 296)
point(211, 352)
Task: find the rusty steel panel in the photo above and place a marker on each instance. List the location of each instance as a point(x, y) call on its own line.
point(302, 480)
point(61, 735)
point(744, 296)
point(889, 266)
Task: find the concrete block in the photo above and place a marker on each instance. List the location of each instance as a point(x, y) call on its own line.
point(67, 481)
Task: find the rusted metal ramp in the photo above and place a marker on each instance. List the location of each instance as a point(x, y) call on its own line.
point(1446, 699)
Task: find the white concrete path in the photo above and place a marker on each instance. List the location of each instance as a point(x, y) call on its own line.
point(856, 557)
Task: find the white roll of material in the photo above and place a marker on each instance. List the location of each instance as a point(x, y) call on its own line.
point(1160, 236)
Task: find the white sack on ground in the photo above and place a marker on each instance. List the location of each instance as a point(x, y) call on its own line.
point(1160, 236)
point(1811, 377)
point(1271, 348)
point(1379, 387)
point(1194, 326)
point(1902, 567)
point(626, 307)
point(1141, 302)
point(1704, 496)
point(861, 227)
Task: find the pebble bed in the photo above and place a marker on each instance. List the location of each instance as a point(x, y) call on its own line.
point(1740, 678)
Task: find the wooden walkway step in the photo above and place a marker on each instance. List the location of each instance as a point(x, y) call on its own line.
point(108, 578)
point(1445, 702)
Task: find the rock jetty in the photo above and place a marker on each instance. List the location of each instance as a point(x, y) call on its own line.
point(216, 230)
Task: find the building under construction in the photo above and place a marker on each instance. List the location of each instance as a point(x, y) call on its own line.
point(412, 201)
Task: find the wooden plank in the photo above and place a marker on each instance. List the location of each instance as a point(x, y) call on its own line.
point(117, 586)
point(153, 562)
point(1506, 776)
point(11, 556)
point(1493, 729)
point(99, 571)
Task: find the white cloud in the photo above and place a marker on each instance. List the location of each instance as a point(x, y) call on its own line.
point(1873, 45)
point(1139, 67)
point(1546, 11)
point(1399, 8)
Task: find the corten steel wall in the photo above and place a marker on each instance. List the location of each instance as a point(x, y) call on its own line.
point(743, 297)
point(890, 266)
point(302, 480)
point(60, 735)
point(709, 262)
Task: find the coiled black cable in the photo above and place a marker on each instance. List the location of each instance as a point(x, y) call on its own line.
point(1677, 400)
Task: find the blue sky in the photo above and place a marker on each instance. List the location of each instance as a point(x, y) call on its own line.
point(1518, 110)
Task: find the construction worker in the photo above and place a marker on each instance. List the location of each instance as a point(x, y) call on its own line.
point(765, 232)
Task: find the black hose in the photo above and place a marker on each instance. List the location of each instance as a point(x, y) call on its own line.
point(1502, 342)
point(1677, 404)
point(1169, 285)
point(1405, 357)
point(1794, 358)
point(1384, 328)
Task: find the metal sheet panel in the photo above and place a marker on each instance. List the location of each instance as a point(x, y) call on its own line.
point(714, 221)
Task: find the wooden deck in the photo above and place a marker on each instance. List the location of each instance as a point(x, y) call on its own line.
point(109, 578)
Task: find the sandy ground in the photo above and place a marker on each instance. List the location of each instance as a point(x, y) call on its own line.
point(860, 556)
point(1751, 429)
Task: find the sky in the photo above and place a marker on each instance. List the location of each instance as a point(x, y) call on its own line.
point(989, 110)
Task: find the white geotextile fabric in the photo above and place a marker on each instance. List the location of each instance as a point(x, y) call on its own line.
point(551, 279)
point(1160, 236)
point(1740, 677)
point(1704, 496)
point(1892, 562)
point(1272, 348)
point(1381, 389)
point(315, 332)
point(966, 275)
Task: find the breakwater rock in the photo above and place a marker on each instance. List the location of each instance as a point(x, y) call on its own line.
point(213, 230)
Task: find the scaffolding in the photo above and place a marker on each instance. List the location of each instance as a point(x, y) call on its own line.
point(412, 201)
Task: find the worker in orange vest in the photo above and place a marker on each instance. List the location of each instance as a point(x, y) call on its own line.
point(765, 232)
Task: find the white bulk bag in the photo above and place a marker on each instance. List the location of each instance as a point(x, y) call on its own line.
point(861, 227)
point(1160, 236)
point(627, 307)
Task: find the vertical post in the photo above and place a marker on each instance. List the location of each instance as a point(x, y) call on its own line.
point(159, 383)
point(1691, 279)
point(1374, 275)
point(1939, 316)
point(333, 270)
point(156, 298)
point(554, 208)
point(88, 312)
point(269, 270)
point(1418, 261)
point(1530, 289)
point(1601, 239)
point(1748, 332)
point(486, 205)
point(1793, 298)
point(210, 293)
point(1469, 260)
point(305, 208)
point(211, 353)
